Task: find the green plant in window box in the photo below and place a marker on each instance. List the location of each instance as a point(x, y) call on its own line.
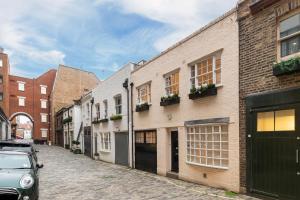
point(169, 100)
point(203, 91)
point(116, 117)
point(140, 107)
point(286, 67)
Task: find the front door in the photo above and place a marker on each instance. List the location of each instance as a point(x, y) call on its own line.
point(87, 141)
point(174, 150)
point(274, 144)
point(121, 148)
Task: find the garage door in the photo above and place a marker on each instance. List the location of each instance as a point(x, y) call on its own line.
point(274, 151)
point(121, 148)
point(145, 151)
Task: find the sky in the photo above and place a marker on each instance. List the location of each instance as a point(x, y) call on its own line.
point(97, 35)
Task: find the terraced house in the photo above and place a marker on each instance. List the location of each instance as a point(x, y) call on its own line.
point(269, 40)
point(186, 119)
point(111, 117)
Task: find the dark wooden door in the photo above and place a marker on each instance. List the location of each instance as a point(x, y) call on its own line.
point(121, 148)
point(60, 138)
point(145, 151)
point(87, 141)
point(174, 151)
point(274, 152)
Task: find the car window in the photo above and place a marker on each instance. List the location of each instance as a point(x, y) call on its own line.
point(10, 161)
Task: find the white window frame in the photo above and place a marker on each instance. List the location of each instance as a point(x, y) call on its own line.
point(201, 147)
point(141, 94)
point(97, 110)
point(1, 62)
point(105, 103)
point(194, 79)
point(118, 107)
point(44, 103)
point(43, 131)
point(20, 99)
point(105, 140)
point(44, 117)
point(168, 80)
point(43, 89)
point(21, 86)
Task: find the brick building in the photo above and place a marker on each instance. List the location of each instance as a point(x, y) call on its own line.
point(4, 86)
point(70, 84)
point(269, 39)
point(30, 97)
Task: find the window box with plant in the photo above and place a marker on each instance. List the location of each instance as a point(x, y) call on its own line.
point(96, 120)
point(286, 67)
point(140, 107)
point(104, 120)
point(116, 117)
point(169, 100)
point(204, 90)
point(67, 120)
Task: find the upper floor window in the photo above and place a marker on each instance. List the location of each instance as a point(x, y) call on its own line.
point(44, 133)
point(1, 63)
point(118, 104)
point(289, 35)
point(88, 109)
point(1, 79)
point(43, 89)
point(207, 71)
point(21, 86)
point(1, 96)
point(97, 110)
point(43, 103)
point(44, 117)
point(21, 101)
point(105, 108)
point(144, 93)
point(172, 83)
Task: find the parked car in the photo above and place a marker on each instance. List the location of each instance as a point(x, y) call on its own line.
point(19, 146)
point(19, 174)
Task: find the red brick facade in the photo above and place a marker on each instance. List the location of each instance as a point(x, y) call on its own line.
point(33, 96)
point(4, 83)
point(258, 52)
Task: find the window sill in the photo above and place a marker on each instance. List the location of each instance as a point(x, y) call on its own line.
point(105, 151)
point(207, 166)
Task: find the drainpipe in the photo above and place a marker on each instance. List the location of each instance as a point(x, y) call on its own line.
point(125, 85)
point(92, 134)
point(132, 132)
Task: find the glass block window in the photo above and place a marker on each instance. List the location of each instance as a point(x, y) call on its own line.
point(207, 145)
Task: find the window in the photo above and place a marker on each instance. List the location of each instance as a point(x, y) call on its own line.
point(43, 89)
point(105, 141)
point(21, 86)
point(44, 133)
point(97, 110)
point(105, 109)
point(118, 104)
point(43, 103)
point(150, 137)
point(281, 120)
point(1, 79)
point(139, 137)
point(207, 145)
point(88, 109)
point(44, 117)
point(172, 83)
point(207, 71)
point(290, 35)
point(21, 101)
point(144, 93)
point(1, 96)
point(1, 62)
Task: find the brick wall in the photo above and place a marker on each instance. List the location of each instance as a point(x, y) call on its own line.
point(4, 87)
point(258, 40)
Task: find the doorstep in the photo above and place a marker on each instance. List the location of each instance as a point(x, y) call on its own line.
point(173, 175)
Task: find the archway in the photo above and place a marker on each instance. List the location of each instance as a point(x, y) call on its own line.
point(22, 126)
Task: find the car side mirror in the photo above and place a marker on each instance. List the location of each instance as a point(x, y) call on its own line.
point(39, 166)
point(36, 151)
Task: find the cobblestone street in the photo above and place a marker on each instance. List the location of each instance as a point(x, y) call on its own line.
point(77, 177)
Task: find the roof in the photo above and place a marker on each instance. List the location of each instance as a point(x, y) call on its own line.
point(189, 37)
point(74, 68)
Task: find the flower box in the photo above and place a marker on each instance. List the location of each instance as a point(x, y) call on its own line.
point(96, 120)
point(286, 67)
point(103, 120)
point(116, 117)
point(170, 100)
point(205, 93)
point(142, 107)
point(67, 120)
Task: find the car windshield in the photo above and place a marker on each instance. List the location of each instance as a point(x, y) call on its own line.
point(11, 161)
point(24, 149)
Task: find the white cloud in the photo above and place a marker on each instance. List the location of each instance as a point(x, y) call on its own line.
point(183, 16)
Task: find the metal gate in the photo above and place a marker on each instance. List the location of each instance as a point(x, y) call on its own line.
point(121, 148)
point(87, 141)
point(273, 144)
point(145, 151)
